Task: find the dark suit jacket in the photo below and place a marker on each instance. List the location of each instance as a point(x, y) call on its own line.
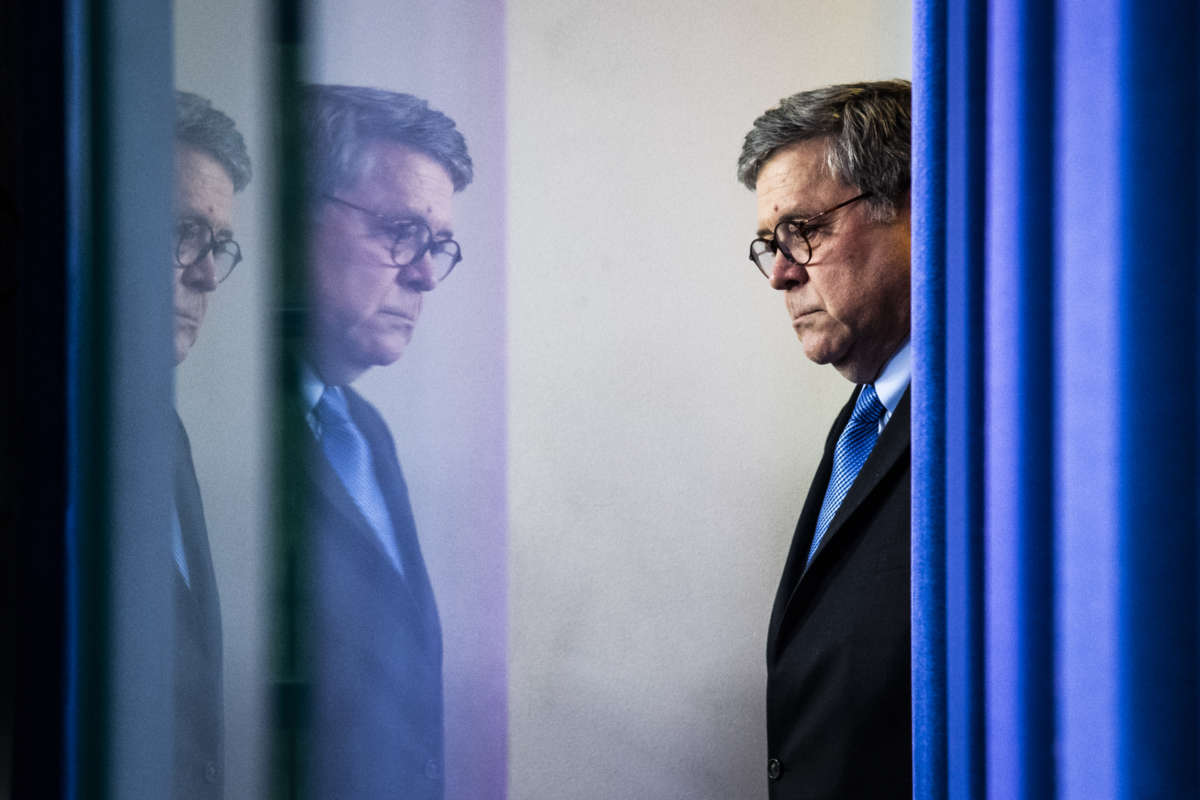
point(838, 707)
point(375, 729)
point(199, 768)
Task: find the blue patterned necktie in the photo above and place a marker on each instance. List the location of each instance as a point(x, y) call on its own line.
point(347, 451)
point(853, 447)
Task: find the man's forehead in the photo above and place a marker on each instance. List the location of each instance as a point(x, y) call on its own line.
point(795, 182)
point(397, 180)
point(203, 187)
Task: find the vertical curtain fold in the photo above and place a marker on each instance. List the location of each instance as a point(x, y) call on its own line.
point(966, 186)
point(1087, 342)
point(928, 402)
point(1018, 394)
point(1156, 523)
point(1061, 394)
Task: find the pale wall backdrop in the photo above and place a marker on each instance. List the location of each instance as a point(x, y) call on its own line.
point(664, 424)
point(223, 389)
point(606, 380)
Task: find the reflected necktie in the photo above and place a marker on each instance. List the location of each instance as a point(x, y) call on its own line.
point(177, 545)
point(347, 451)
point(853, 447)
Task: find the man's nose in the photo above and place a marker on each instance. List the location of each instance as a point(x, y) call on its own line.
point(202, 275)
point(420, 274)
point(786, 273)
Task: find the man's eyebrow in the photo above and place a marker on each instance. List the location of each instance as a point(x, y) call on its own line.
point(219, 232)
point(792, 212)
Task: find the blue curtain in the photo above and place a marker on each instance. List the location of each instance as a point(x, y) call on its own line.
point(1055, 590)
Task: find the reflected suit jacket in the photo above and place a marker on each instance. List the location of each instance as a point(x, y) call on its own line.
point(199, 769)
point(838, 707)
point(375, 641)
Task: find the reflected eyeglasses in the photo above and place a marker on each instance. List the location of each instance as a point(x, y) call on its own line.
point(195, 239)
point(412, 238)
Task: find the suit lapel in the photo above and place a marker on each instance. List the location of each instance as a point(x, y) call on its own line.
point(395, 491)
point(324, 481)
point(322, 478)
point(201, 584)
point(404, 529)
point(893, 443)
point(802, 537)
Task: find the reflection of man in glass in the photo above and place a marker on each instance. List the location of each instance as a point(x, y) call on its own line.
point(211, 163)
point(383, 169)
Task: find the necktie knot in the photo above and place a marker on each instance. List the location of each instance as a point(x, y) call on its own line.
point(350, 456)
point(853, 447)
point(867, 408)
point(331, 410)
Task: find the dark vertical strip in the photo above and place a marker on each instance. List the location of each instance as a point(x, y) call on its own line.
point(928, 393)
point(32, 401)
point(1019, 407)
point(138, 120)
point(119, 398)
point(1158, 385)
point(288, 663)
point(75, 190)
point(966, 116)
point(90, 390)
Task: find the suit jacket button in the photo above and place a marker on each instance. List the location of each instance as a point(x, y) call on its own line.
point(210, 771)
point(774, 768)
point(433, 770)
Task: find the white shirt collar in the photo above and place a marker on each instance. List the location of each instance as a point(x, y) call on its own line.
point(894, 379)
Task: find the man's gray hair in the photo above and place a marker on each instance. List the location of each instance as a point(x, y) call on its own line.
point(868, 133)
point(199, 125)
point(341, 122)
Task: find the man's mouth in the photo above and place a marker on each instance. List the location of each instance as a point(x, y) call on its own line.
point(397, 312)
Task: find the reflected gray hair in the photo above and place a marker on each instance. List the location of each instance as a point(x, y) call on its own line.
point(868, 133)
point(341, 122)
point(199, 125)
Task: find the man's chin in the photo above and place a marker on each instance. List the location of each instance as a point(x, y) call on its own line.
point(817, 353)
point(183, 345)
point(363, 359)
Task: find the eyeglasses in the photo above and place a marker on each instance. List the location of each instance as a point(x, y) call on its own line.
point(791, 239)
point(412, 239)
point(196, 240)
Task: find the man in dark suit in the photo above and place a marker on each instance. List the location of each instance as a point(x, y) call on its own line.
point(211, 164)
point(830, 168)
point(383, 169)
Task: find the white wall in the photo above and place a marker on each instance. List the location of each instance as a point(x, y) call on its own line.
point(664, 424)
point(223, 388)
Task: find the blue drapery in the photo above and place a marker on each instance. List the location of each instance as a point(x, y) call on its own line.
point(1055, 591)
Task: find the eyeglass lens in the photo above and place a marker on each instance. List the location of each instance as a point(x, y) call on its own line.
point(196, 241)
point(413, 240)
point(790, 239)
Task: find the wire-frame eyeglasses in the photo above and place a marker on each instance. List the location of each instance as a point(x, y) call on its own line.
point(412, 238)
point(195, 239)
point(791, 238)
